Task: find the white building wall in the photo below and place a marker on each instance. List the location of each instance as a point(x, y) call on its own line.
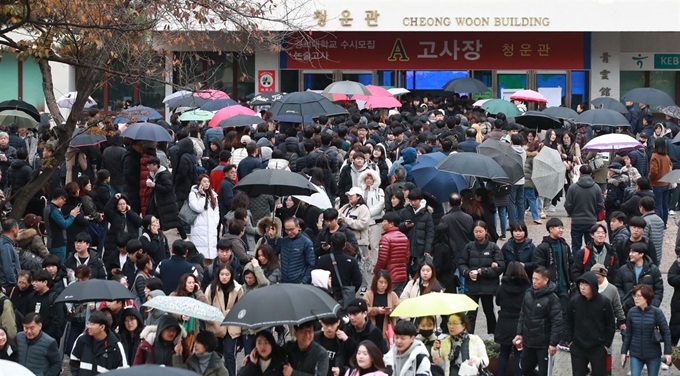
point(605, 60)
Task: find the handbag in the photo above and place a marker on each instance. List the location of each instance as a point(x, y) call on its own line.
point(187, 215)
point(348, 292)
point(657, 337)
point(596, 163)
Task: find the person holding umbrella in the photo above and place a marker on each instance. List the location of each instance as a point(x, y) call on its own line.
point(223, 293)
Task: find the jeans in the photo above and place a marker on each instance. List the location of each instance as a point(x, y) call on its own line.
point(229, 352)
point(504, 357)
point(580, 358)
point(487, 303)
point(661, 202)
point(502, 213)
point(653, 366)
point(579, 231)
point(531, 357)
point(516, 203)
point(530, 194)
point(248, 343)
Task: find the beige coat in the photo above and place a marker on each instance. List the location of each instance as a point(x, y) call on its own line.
point(392, 301)
point(201, 298)
point(360, 223)
point(218, 301)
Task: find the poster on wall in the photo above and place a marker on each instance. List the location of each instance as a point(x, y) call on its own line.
point(266, 80)
point(553, 95)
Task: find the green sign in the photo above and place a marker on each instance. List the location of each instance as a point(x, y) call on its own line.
point(666, 61)
point(486, 95)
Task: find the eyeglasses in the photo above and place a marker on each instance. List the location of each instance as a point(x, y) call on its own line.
point(290, 229)
point(638, 296)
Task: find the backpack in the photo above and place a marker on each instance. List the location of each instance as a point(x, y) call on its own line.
point(198, 169)
point(586, 256)
point(30, 261)
point(499, 189)
point(18, 316)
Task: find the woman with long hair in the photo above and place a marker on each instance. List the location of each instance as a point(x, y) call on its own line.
point(398, 201)
point(367, 361)
point(129, 330)
point(223, 293)
point(443, 258)
point(509, 298)
point(204, 360)
point(424, 281)
point(203, 201)
point(80, 224)
point(188, 286)
point(570, 152)
point(89, 208)
point(154, 242)
point(451, 350)
point(659, 165)
point(269, 263)
point(381, 300)
point(481, 263)
point(266, 359)
point(520, 247)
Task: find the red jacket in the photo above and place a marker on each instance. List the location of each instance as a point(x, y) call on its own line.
point(144, 191)
point(394, 255)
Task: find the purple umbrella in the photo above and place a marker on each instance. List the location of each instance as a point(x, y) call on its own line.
point(613, 143)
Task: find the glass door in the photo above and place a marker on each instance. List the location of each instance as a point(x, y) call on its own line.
point(365, 78)
point(509, 82)
point(553, 86)
point(317, 80)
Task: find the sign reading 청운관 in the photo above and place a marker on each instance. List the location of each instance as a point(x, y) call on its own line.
point(266, 81)
point(433, 50)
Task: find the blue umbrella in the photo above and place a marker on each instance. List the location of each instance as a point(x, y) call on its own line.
point(147, 132)
point(219, 104)
point(86, 137)
point(137, 114)
point(436, 183)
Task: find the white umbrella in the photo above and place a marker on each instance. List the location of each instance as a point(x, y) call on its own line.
point(13, 368)
point(319, 199)
point(548, 172)
point(186, 306)
point(176, 94)
point(398, 91)
point(67, 100)
point(479, 103)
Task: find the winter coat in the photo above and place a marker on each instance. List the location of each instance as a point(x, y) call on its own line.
point(476, 349)
point(412, 289)
point(654, 231)
point(261, 206)
point(394, 255)
point(623, 249)
point(358, 218)
point(204, 229)
point(226, 196)
point(584, 201)
point(151, 333)
point(631, 208)
point(375, 197)
point(9, 263)
point(40, 355)
point(250, 230)
point(112, 160)
point(275, 368)
point(524, 255)
point(156, 246)
point(94, 261)
point(79, 224)
point(619, 237)
point(445, 262)
point(19, 174)
point(589, 323)
point(509, 298)
point(625, 281)
point(131, 171)
point(638, 338)
point(311, 362)
point(85, 361)
point(347, 266)
point(325, 236)
point(392, 301)
point(144, 191)
point(422, 233)
point(130, 343)
point(297, 259)
point(408, 361)
point(216, 299)
point(581, 266)
point(540, 320)
point(674, 281)
point(481, 256)
point(170, 271)
point(29, 240)
point(460, 229)
point(659, 166)
point(215, 365)
point(545, 256)
point(260, 279)
point(183, 173)
point(246, 166)
point(163, 201)
point(129, 221)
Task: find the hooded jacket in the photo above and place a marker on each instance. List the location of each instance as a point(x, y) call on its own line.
point(152, 347)
point(215, 364)
point(584, 201)
point(129, 340)
point(631, 208)
point(540, 320)
point(375, 197)
point(590, 322)
point(406, 364)
point(19, 174)
point(87, 360)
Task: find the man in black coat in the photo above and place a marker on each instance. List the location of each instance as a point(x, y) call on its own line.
point(322, 244)
point(590, 327)
point(163, 201)
point(131, 169)
point(98, 350)
point(20, 172)
point(360, 328)
point(347, 266)
point(249, 163)
point(460, 225)
point(183, 171)
point(112, 160)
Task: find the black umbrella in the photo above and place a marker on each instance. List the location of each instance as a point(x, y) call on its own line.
point(21, 106)
point(282, 304)
point(275, 182)
point(473, 164)
point(505, 156)
point(649, 96)
point(466, 85)
point(538, 120)
point(187, 100)
point(602, 117)
point(86, 137)
point(240, 121)
point(94, 290)
point(561, 112)
point(301, 104)
point(609, 103)
point(151, 369)
point(263, 99)
point(219, 104)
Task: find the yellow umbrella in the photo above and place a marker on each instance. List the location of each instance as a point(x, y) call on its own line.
point(434, 304)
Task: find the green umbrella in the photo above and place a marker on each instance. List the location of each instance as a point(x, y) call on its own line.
point(198, 115)
point(494, 106)
point(20, 118)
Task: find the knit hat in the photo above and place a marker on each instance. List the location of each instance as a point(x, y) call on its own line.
point(599, 269)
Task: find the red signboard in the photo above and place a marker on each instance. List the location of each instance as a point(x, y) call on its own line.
point(266, 81)
point(437, 51)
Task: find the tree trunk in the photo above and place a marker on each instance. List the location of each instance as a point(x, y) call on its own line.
point(48, 91)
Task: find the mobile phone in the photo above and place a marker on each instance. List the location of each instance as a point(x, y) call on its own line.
point(408, 221)
point(324, 243)
point(79, 206)
point(623, 364)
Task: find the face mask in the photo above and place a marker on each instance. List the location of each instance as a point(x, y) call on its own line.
point(426, 333)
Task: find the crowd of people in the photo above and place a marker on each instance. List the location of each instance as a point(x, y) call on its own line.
point(106, 212)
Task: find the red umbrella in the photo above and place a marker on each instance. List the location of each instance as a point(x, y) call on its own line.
point(228, 112)
point(211, 94)
point(382, 102)
point(376, 91)
point(529, 96)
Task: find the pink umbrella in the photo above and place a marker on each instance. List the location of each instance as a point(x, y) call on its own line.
point(376, 91)
point(529, 96)
point(382, 102)
point(211, 94)
point(479, 103)
point(228, 112)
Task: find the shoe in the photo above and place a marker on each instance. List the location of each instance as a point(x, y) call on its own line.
point(543, 216)
point(664, 366)
point(502, 237)
point(551, 209)
point(538, 221)
point(672, 214)
point(564, 346)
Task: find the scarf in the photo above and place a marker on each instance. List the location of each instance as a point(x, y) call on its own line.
point(203, 361)
point(603, 286)
point(455, 355)
point(190, 325)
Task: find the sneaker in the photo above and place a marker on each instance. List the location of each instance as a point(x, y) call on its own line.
point(672, 214)
point(502, 237)
point(563, 345)
point(664, 366)
point(551, 209)
point(537, 221)
point(543, 216)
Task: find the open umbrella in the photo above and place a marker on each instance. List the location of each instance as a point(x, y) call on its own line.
point(136, 114)
point(398, 90)
point(376, 91)
point(67, 100)
point(609, 103)
point(197, 115)
point(276, 183)
point(319, 199)
point(473, 164)
point(548, 172)
point(176, 94)
point(505, 156)
point(186, 306)
point(434, 304)
point(282, 304)
point(228, 112)
point(538, 120)
point(301, 105)
point(347, 88)
point(240, 121)
point(649, 96)
point(466, 85)
point(219, 104)
point(9, 367)
point(528, 96)
point(21, 106)
point(436, 183)
point(560, 112)
point(263, 99)
point(20, 118)
point(188, 99)
point(151, 369)
point(94, 290)
point(612, 143)
point(147, 132)
point(382, 102)
point(496, 106)
point(672, 111)
point(86, 137)
point(211, 94)
point(671, 177)
point(479, 102)
point(602, 116)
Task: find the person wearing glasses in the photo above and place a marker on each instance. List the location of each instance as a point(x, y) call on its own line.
point(298, 251)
